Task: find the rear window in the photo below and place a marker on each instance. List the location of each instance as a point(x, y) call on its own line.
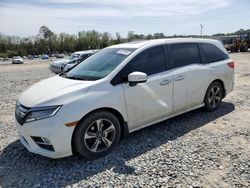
point(185, 54)
point(213, 53)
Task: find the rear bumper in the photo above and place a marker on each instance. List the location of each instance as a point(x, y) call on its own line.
point(53, 130)
point(230, 83)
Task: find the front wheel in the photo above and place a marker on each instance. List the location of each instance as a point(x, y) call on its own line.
point(213, 97)
point(97, 134)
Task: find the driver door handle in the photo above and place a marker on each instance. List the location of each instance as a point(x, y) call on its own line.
point(165, 82)
point(179, 78)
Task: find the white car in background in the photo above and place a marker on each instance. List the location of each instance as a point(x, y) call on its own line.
point(77, 57)
point(17, 60)
point(58, 66)
point(119, 90)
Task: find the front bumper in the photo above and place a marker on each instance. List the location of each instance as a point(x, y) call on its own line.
point(17, 62)
point(53, 130)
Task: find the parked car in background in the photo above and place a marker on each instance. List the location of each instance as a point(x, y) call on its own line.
point(45, 56)
point(119, 90)
point(30, 57)
point(58, 66)
point(17, 60)
point(59, 55)
point(80, 56)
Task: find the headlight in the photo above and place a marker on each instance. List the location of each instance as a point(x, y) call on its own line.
point(42, 113)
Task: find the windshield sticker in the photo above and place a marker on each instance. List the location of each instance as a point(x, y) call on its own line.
point(123, 52)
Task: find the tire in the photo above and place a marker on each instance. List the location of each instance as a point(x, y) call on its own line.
point(213, 97)
point(97, 134)
point(244, 48)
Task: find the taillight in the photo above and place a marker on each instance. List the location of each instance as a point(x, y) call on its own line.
point(231, 64)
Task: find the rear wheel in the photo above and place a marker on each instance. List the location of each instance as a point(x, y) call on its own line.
point(97, 134)
point(244, 48)
point(213, 96)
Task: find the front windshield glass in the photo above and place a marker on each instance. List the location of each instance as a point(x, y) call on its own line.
point(74, 56)
point(100, 64)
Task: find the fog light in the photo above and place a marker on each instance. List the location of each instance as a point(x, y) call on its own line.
point(43, 142)
point(46, 140)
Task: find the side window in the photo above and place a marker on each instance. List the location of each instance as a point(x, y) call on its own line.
point(184, 54)
point(213, 53)
point(150, 61)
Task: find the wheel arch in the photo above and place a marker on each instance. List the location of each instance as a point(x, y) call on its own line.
point(123, 123)
point(222, 85)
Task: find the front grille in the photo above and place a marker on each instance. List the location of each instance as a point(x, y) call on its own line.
point(21, 113)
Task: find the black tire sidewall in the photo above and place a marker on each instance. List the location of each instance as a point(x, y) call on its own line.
point(80, 130)
point(207, 106)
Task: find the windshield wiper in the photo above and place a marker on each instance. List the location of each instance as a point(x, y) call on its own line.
point(74, 77)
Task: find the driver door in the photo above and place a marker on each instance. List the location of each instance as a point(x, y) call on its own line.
point(153, 100)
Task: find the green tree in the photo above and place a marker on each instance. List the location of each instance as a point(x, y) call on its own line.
point(45, 32)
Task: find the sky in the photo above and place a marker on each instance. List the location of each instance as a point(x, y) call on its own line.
point(181, 17)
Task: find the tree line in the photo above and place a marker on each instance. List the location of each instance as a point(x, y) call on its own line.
point(46, 41)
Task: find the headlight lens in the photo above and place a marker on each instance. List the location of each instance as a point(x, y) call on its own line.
point(42, 113)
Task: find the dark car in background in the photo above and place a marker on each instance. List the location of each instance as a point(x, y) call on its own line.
point(45, 56)
point(59, 55)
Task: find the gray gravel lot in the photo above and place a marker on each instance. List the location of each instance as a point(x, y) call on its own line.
point(196, 149)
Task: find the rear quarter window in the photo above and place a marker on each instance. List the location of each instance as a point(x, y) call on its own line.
point(213, 53)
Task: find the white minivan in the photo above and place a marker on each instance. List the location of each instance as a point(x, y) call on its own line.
point(121, 89)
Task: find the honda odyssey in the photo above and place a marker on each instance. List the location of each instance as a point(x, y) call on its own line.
point(121, 89)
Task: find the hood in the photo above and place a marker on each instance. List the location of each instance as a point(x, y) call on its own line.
point(54, 91)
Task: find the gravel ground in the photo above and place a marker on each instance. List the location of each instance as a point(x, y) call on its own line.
point(196, 149)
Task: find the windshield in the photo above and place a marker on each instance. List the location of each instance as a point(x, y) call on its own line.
point(100, 64)
point(74, 56)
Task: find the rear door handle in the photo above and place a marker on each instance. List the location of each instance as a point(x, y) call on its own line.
point(179, 78)
point(165, 82)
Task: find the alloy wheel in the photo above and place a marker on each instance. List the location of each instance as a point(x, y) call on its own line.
point(214, 96)
point(99, 135)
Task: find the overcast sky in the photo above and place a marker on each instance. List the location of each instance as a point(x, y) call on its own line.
point(184, 17)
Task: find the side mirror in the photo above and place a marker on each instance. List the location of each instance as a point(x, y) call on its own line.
point(136, 77)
